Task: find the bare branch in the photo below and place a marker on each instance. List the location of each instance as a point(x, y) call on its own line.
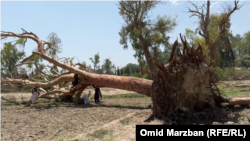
point(225, 18)
point(38, 80)
point(79, 64)
point(55, 91)
point(27, 83)
point(51, 75)
point(70, 61)
point(48, 71)
point(195, 12)
point(25, 60)
point(23, 35)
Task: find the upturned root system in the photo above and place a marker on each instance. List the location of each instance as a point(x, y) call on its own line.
point(185, 87)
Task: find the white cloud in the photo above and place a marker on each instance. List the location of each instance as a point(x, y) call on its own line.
point(215, 4)
point(175, 2)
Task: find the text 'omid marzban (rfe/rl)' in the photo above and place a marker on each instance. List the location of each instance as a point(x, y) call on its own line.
point(171, 132)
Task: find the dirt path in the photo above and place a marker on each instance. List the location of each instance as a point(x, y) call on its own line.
point(121, 129)
point(113, 124)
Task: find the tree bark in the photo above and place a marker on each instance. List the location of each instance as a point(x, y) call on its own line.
point(142, 86)
point(244, 101)
point(27, 83)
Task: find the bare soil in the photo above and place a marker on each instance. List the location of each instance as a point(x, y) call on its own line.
point(113, 119)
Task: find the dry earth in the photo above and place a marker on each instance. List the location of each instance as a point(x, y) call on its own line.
point(114, 119)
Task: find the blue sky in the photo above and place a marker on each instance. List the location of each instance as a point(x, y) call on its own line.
point(88, 27)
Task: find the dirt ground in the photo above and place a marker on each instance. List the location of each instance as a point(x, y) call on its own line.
point(113, 119)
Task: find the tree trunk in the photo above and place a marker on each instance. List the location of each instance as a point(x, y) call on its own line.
point(148, 57)
point(135, 84)
point(244, 101)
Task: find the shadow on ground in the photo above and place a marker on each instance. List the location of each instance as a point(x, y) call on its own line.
point(222, 119)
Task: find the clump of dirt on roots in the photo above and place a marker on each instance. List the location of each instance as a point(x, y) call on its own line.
point(185, 87)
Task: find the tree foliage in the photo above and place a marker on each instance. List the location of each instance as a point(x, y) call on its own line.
point(146, 35)
point(10, 55)
point(219, 25)
point(95, 61)
point(56, 44)
point(107, 66)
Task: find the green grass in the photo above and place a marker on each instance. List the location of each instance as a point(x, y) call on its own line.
point(100, 133)
point(108, 139)
point(51, 102)
point(233, 91)
point(125, 121)
point(130, 95)
point(9, 104)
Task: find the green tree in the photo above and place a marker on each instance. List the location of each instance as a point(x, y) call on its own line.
point(243, 45)
point(190, 35)
point(223, 53)
point(55, 46)
point(219, 25)
point(145, 34)
point(52, 49)
point(81, 67)
point(246, 43)
point(131, 69)
point(107, 66)
point(23, 73)
point(95, 61)
point(10, 56)
point(121, 71)
point(118, 71)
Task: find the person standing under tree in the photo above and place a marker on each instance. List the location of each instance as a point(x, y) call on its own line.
point(35, 93)
point(76, 80)
point(97, 93)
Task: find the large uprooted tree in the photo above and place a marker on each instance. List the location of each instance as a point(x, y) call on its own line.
point(185, 86)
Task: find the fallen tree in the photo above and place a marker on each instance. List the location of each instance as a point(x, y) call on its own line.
point(184, 86)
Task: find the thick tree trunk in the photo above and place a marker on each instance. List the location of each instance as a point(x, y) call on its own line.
point(244, 101)
point(142, 86)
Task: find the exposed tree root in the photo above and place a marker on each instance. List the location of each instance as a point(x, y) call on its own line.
point(185, 86)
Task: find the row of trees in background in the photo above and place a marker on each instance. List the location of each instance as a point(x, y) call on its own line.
point(12, 53)
point(108, 67)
